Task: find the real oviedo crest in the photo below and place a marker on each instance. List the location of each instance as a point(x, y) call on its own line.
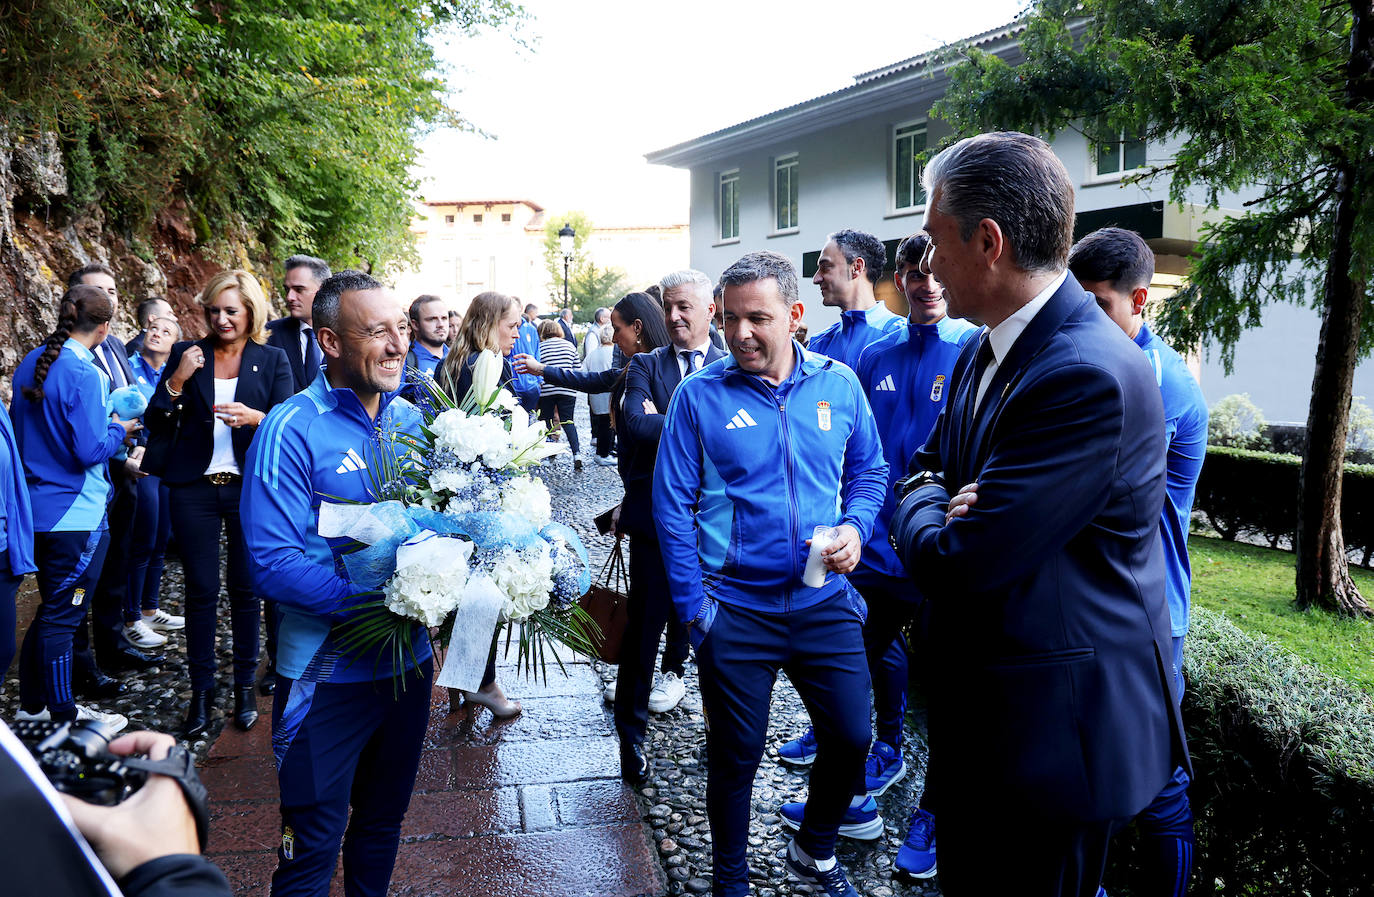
point(937, 389)
point(823, 415)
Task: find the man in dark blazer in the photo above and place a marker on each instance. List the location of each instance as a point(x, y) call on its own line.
point(109, 611)
point(294, 333)
point(649, 384)
point(1031, 526)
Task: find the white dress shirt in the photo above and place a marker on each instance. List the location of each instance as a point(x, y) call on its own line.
point(1002, 337)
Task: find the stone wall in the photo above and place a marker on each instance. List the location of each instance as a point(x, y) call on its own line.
point(40, 244)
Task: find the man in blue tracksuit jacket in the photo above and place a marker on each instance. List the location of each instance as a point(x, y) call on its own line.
point(1116, 266)
point(343, 734)
point(757, 451)
point(527, 343)
point(850, 266)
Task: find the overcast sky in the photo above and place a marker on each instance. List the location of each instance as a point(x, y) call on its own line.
point(606, 81)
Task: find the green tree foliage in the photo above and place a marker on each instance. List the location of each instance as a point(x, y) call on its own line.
point(553, 253)
point(1273, 94)
point(593, 287)
point(294, 121)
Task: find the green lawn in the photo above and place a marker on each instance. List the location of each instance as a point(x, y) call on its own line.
point(1253, 587)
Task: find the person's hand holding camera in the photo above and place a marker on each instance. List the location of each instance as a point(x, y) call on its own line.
point(154, 822)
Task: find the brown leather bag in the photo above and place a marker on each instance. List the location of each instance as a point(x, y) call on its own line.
point(607, 603)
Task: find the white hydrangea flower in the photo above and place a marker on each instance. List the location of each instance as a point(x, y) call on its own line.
point(431, 571)
point(470, 437)
point(450, 479)
point(528, 498)
point(525, 578)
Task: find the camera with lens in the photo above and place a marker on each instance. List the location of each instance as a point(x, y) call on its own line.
point(76, 759)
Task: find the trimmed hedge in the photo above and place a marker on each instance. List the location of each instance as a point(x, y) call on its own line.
point(1283, 757)
point(1256, 494)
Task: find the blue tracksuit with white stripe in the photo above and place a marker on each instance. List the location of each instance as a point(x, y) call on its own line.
point(64, 441)
point(341, 733)
point(846, 340)
point(745, 472)
point(904, 375)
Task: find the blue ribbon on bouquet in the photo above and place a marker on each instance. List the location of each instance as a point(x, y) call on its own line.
point(371, 565)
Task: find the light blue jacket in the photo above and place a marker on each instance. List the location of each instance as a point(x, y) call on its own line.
point(746, 471)
point(846, 340)
point(318, 443)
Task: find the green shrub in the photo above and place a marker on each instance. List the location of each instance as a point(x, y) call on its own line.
point(1243, 492)
point(1235, 421)
point(1283, 762)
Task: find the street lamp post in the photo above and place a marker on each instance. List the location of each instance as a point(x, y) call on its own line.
point(566, 236)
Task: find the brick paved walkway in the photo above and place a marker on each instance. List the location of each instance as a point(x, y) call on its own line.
point(533, 806)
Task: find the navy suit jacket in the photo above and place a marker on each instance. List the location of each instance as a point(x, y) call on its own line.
point(1046, 611)
point(285, 334)
point(651, 375)
point(181, 439)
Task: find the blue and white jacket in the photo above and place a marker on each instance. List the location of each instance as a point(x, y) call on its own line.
point(746, 471)
point(65, 440)
point(906, 378)
point(846, 340)
point(1185, 429)
point(16, 514)
point(320, 442)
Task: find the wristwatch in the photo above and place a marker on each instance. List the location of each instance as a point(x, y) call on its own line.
point(914, 481)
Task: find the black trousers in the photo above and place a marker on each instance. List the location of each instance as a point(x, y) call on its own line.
point(199, 510)
point(1045, 859)
point(9, 589)
point(565, 406)
point(68, 567)
point(601, 433)
point(107, 604)
point(650, 611)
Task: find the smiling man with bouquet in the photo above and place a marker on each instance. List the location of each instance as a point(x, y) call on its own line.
point(343, 733)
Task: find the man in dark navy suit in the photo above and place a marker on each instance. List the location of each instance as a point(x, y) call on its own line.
point(649, 384)
point(109, 612)
point(294, 334)
point(1032, 527)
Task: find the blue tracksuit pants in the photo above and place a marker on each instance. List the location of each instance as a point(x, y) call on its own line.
point(822, 651)
point(1167, 823)
point(891, 604)
point(69, 567)
point(339, 746)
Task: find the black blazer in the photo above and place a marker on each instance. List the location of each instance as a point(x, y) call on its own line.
point(651, 375)
point(181, 430)
point(285, 334)
point(1047, 613)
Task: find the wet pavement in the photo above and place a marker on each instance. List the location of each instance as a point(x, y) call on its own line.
point(532, 805)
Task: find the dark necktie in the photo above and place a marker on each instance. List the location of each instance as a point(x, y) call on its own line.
point(689, 360)
point(107, 360)
point(312, 354)
point(980, 365)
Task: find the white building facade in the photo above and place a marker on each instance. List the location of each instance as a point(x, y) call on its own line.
point(846, 159)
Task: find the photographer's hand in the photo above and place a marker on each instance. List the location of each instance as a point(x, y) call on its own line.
point(154, 822)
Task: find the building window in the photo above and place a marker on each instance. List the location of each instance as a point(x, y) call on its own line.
point(505, 217)
point(728, 203)
point(908, 143)
point(448, 219)
point(1120, 156)
point(477, 219)
point(785, 193)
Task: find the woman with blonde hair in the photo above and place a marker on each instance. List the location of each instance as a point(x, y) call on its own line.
point(212, 395)
point(491, 324)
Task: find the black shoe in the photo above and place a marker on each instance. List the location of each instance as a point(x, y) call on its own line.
point(634, 765)
point(268, 685)
point(577, 464)
point(198, 714)
point(95, 684)
point(245, 707)
point(127, 657)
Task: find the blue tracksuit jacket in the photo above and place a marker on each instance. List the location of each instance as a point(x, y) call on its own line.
point(846, 340)
point(1185, 428)
point(16, 514)
point(526, 342)
point(906, 378)
point(745, 472)
point(65, 440)
point(320, 442)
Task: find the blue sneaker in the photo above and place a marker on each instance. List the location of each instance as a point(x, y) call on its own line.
point(831, 882)
point(916, 856)
point(861, 823)
point(883, 769)
point(800, 751)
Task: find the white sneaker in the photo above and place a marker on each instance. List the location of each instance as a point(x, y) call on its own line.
point(609, 693)
point(114, 722)
point(141, 635)
point(667, 693)
point(605, 462)
point(164, 622)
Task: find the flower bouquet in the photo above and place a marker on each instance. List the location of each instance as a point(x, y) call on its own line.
point(462, 536)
